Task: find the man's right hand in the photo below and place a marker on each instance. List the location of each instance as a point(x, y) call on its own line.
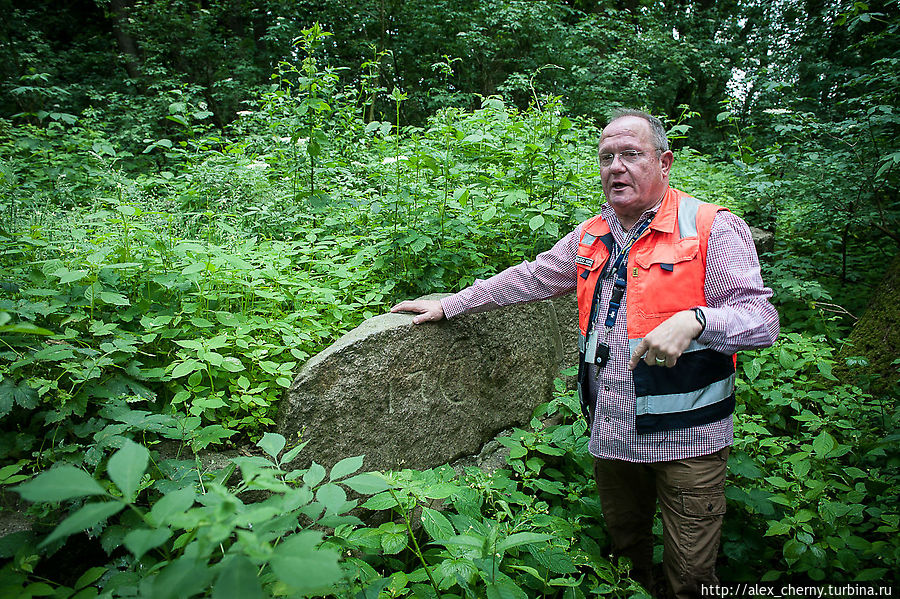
point(427, 310)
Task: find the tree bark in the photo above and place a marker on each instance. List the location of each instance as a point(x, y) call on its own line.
point(118, 13)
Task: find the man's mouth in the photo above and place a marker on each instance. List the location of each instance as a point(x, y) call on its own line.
point(619, 186)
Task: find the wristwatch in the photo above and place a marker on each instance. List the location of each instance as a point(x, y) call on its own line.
point(701, 318)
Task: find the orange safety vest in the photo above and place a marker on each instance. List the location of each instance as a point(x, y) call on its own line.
point(666, 274)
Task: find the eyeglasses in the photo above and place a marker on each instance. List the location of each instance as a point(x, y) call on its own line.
point(627, 156)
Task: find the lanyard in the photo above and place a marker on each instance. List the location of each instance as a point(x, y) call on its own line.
point(620, 267)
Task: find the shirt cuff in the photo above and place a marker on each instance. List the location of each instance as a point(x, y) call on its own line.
point(452, 305)
point(715, 326)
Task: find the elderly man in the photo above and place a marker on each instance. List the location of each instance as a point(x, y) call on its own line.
point(669, 288)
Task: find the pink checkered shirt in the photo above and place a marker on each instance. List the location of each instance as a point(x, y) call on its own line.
point(738, 317)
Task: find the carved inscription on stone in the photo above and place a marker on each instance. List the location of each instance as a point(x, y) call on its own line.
point(423, 395)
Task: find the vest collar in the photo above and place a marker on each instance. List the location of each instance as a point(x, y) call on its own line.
point(667, 214)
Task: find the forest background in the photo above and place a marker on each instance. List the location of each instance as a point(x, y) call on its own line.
point(197, 196)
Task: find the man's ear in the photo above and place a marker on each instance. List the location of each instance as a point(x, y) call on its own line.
point(665, 160)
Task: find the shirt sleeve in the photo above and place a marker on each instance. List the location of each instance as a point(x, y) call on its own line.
point(738, 314)
point(550, 274)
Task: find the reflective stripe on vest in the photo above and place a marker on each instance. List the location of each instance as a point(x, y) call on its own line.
point(667, 268)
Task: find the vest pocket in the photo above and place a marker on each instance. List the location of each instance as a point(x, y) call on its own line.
point(589, 259)
point(664, 277)
point(668, 254)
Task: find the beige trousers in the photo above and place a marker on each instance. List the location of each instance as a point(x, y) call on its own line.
point(691, 497)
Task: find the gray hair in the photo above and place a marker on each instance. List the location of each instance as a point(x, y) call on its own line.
point(657, 129)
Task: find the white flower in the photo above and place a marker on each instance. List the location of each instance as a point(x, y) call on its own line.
point(392, 160)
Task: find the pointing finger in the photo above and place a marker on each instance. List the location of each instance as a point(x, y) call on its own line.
point(639, 351)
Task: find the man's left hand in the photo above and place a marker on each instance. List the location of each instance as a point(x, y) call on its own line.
point(664, 345)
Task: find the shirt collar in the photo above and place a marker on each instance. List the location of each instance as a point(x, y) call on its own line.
point(662, 212)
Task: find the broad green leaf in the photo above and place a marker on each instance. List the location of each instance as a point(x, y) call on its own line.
point(367, 483)
point(752, 370)
point(566, 582)
point(530, 570)
point(115, 299)
point(127, 466)
point(175, 502)
point(793, 549)
point(522, 538)
point(778, 528)
point(331, 496)
point(193, 268)
point(55, 353)
point(801, 468)
point(183, 577)
point(178, 119)
point(505, 590)
point(194, 344)
point(393, 538)
point(436, 524)
point(382, 501)
point(742, 464)
point(89, 515)
point(237, 580)
point(12, 393)
point(464, 540)
point(489, 213)
point(823, 443)
point(91, 575)
point(141, 540)
point(70, 276)
point(186, 368)
point(59, 484)
point(346, 467)
point(38, 589)
point(212, 357)
point(804, 516)
point(208, 435)
point(536, 222)
point(232, 364)
point(307, 569)
point(24, 328)
point(555, 560)
point(272, 444)
point(825, 369)
point(92, 291)
point(292, 453)
point(314, 475)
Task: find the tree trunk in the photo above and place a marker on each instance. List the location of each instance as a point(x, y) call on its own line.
point(118, 12)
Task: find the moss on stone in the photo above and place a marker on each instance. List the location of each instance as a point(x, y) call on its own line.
point(877, 334)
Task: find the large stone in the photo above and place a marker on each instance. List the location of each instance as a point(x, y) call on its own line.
point(762, 239)
point(417, 396)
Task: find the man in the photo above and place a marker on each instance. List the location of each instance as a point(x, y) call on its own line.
point(669, 288)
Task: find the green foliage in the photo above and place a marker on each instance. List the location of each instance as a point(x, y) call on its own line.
point(178, 531)
point(815, 467)
point(198, 288)
point(166, 262)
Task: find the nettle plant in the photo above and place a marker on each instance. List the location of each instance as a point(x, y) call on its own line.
point(198, 535)
point(815, 470)
point(257, 528)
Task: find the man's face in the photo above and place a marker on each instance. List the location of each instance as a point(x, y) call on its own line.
point(631, 187)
